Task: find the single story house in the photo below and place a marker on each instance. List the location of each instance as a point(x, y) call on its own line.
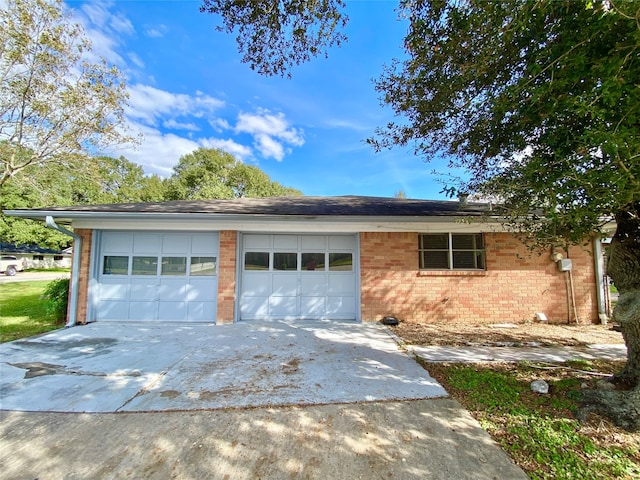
point(338, 258)
point(35, 256)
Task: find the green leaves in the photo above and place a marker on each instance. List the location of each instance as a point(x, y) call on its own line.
point(275, 36)
point(53, 103)
point(538, 100)
point(210, 173)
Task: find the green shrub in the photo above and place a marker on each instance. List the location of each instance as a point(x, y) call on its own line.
point(56, 296)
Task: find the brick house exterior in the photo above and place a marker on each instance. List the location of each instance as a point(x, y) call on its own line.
point(512, 286)
point(515, 286)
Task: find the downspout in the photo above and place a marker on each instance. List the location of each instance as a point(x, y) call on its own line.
point(600, 290)
point(75, 270)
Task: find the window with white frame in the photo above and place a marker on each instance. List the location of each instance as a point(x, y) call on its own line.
point(451, 251)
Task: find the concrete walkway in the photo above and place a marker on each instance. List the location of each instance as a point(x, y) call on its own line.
point(439, 354)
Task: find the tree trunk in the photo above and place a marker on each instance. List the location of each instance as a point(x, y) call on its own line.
point(623, 406)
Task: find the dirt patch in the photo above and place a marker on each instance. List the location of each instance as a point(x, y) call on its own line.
point(518, 334)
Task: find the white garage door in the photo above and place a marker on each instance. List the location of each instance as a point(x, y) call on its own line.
point(298, 276)
point(157, 276)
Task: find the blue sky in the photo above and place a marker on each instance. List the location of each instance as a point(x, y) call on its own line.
point(188, 89)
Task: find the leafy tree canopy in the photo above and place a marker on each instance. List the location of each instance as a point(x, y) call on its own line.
point(537, 99)
point(212, 173)
point(55, 107)
point(274, 36)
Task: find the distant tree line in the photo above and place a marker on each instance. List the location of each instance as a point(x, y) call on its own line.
point(200, 175)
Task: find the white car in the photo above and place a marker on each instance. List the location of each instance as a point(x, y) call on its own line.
point(10, 265)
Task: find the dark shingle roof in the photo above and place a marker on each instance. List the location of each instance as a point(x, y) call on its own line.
point(295, 206)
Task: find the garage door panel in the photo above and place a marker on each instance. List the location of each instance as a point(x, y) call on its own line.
point(257, 241)
point(116, 242)
point(112, 310)
point(144, 289)
point(283, 306)
point(313, 284)
point(143, 310)
point(285, 285)
point(175, 243)
point(172, 290)
point(172, 311)
point(341, 307)
point(256, 285)
point(311, 242)
point(254, 307)
point(113, 290)
point(342, 242)
point(313, 307)
point(146, 243)
point(201, 311)
point(200, 289)
point(203, 245)
point(340, 285)
point(285, 241)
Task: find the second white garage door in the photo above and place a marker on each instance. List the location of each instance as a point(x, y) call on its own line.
point(298, 277)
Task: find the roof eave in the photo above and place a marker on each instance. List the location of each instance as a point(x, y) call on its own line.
point(67, 216)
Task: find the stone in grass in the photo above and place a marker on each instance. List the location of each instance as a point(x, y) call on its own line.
point(540, 386)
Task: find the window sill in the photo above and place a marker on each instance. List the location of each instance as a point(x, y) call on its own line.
point(452, 273)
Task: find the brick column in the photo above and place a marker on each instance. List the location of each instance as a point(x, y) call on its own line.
point(84, 274)
point(227, 276)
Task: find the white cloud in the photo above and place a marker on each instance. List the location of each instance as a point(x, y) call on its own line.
point(270, 132)
point(97, 13)
point(137, 61)
point(121, 24)
point(219, 124)
point(149, 104)
point(268, 147)
point(156, 31)
point(175, 125)
point(241, 152)
point(160, 152)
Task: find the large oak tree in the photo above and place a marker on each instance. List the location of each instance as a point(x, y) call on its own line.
point(539, 101)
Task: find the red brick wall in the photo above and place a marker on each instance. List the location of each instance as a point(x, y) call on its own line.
point(515, 285)
point(227, 276)
point(83, 280)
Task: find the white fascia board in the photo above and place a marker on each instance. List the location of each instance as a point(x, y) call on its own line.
point(263, 223)
point(289, 224)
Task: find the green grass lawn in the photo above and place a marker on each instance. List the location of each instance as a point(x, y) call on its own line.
point(540, 432)
point(49, 270)
point(23, 311)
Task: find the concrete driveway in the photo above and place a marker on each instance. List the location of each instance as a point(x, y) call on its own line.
point(336, 400)
point(146, 367)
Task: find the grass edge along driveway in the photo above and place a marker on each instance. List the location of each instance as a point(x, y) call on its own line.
point(23, 311)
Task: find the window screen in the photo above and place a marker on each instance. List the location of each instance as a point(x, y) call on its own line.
point(451, 251)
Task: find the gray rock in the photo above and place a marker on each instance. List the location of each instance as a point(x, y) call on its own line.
point(540, 386)
point(605, 385)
